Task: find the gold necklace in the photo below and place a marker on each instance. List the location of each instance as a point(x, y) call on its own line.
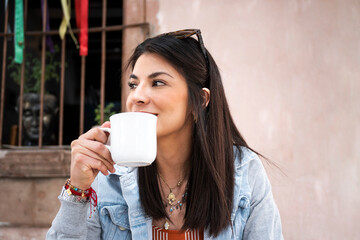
point(178, 205)
point(172, 200)
point(171, 196)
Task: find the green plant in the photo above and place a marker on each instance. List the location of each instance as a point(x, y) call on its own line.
point(107, 113)
point(32, 72)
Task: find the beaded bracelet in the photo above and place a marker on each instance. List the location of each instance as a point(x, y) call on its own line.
point(84, 194)
point(76, 191)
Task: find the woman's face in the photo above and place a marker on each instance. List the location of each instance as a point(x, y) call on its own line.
point(157, 88)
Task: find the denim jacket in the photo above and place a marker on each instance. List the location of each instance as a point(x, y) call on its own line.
point(119, 213)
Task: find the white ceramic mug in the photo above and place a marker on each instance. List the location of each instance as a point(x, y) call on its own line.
point(132, 140)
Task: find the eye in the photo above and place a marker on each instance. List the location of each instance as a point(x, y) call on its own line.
point(132, 85)
point(157, 83)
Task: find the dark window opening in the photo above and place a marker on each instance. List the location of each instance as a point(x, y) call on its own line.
point(72, 83)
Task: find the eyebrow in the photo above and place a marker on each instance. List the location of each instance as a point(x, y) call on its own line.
point(153, 75)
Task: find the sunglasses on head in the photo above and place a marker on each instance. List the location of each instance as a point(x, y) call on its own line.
point(185, 33)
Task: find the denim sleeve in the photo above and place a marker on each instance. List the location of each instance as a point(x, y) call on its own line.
point(73, 221)
point(264, 220)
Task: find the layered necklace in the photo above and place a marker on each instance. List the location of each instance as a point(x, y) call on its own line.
point(172, 202)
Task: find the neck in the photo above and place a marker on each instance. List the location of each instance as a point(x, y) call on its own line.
point(172, 158)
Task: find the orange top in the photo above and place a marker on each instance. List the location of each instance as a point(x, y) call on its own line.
point(162, 234)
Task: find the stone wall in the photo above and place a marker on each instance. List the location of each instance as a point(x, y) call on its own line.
point(291, 74)
point(31, 181)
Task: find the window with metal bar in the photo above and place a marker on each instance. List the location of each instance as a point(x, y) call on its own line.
point(55, 94)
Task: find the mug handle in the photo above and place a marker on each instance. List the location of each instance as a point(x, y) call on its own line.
point(108, 130)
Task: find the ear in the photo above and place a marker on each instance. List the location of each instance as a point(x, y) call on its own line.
point(206, 97)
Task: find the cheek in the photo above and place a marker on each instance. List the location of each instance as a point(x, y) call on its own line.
point(27, 121)
point(174, 107)
point(127, 104)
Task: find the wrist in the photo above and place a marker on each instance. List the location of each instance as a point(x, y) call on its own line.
point(74, 194)
point(77, 184)
point(71, 189)
point(64, 195)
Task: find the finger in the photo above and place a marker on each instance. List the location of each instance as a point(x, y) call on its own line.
point(97, 157)
point(86, 163)
point(95, 150)
point(98, 165)
point(92, 149)
point(106, 124)
point(95, 134)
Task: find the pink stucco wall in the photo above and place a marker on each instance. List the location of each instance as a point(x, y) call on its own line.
point(291, 70)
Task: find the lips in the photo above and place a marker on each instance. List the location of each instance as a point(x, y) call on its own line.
point(149, 113)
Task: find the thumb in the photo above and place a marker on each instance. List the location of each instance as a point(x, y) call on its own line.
point(106, 124)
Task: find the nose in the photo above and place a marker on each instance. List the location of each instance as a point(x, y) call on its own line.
point(35, 120)
point(140, 95)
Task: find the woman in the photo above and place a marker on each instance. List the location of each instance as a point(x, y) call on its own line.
point(205, 182)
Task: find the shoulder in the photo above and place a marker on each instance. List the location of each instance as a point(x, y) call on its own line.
point(248, 163)
point(244, 157)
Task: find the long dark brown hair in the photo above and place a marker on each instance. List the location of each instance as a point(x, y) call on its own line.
point(211, 178)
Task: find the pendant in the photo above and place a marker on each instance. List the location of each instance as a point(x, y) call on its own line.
point(166, 225)
point(171, 198)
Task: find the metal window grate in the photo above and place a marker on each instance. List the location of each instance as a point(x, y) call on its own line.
point(103, 30)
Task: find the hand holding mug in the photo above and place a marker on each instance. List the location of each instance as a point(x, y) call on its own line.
point(89, 156)
point(132, 142)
